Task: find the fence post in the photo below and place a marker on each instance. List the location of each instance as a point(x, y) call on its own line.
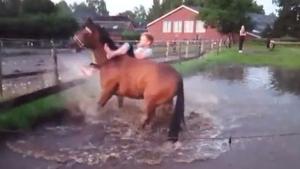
point(1, 87)
point(54, 55)
point(168, 48)
point(179, 49)
point(220, 45)
point(202, 46)
point(187, 49)
point(211, 44)
point(197, 43)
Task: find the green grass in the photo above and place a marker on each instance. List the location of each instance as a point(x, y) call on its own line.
point(255, 54)
point(26, 115)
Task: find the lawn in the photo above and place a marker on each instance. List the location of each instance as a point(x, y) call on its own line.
point(26, 115)
point(255, 54)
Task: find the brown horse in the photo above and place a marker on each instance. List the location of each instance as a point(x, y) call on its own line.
point(156, 83)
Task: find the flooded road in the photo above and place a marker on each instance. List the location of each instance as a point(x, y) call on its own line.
point(236, 118)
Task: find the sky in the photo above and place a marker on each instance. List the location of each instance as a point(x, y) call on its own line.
point(117, 6)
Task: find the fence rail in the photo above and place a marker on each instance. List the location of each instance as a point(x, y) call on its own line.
point(30, 50)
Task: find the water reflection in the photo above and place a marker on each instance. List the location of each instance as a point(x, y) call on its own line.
point(286, 80)
point(280, 80)
point(232, 101)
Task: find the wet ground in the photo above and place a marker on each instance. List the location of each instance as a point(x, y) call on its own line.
point(236, 118)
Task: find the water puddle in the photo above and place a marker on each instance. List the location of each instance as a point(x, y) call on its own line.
point(116, 137)
point(221, 102)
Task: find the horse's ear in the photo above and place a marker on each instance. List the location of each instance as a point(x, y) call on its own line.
point(89, 21)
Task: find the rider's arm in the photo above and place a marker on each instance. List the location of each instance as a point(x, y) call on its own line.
point(120, 51)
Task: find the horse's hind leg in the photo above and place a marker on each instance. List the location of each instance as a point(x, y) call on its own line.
point(150, 111)
point(168, 106)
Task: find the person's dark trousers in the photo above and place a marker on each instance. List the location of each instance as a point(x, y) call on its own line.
point(241, 42)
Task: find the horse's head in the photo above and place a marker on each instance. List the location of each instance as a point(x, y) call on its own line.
point(91, 36)
point(87, 36)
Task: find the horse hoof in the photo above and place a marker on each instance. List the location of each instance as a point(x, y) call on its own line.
point(142, 127)
point(99, 107)
point(173, 139)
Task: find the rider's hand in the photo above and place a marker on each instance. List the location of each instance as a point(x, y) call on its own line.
point(108, 51)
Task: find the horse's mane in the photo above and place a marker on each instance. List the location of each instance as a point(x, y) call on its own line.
point(105, 38)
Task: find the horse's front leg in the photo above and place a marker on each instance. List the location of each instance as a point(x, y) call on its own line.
point(106, 94)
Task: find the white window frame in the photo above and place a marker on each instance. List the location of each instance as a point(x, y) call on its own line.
point(177, 26)
point(200, 28)
point(188, 26)
point(167, 26)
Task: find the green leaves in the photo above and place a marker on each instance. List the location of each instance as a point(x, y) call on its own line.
point(228, 15)
point(36, 19)
point(288, 23)
point(38, 6)
point(98, 6)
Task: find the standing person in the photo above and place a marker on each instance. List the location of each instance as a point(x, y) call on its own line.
point(143, 50)
point(242, 38)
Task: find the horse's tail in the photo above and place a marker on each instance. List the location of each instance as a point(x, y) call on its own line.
point(178, 115)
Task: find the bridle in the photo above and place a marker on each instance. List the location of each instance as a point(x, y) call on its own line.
point(82, 45)
point(79, 42)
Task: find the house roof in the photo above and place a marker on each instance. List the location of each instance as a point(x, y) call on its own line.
point(192, 9)
point(117, 23)
point(113, 18)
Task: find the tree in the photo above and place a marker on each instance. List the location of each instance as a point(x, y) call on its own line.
point(129, 14)
point(267, 31)
point(140, 15)
point(13, 7)
point(37, 19)
point(99, 6)
point(92, 4)
point(38, 6)
point(228, 15)
point(63, 9)
point(198, 3)
point(155, 11)
point(10, 7)
point(101, 9)
point(82, 10)
point(288, 22)
point(2, 8)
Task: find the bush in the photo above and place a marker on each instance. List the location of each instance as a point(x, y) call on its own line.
point(130, 35)
point(38, 26)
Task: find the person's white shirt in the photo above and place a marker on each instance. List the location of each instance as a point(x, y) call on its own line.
point(243, 31)
point(143, 52)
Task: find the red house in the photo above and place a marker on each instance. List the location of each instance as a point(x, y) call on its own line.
point(182, 23)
